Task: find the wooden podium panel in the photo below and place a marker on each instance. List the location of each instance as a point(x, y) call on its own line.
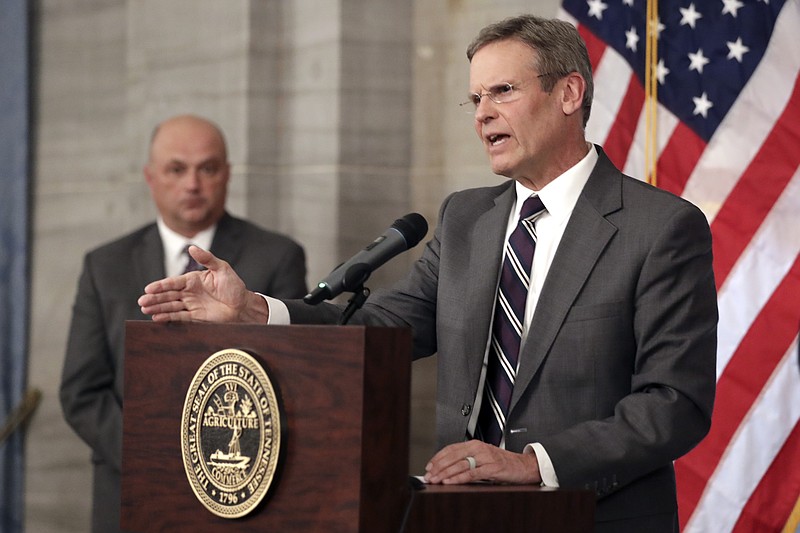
point(344, 456)
point(488, 508)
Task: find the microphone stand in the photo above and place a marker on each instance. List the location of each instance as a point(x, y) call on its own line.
point(360, 296)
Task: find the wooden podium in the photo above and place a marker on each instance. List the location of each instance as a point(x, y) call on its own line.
point(344, 397)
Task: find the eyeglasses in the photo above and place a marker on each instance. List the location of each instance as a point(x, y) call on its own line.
point(499, 94)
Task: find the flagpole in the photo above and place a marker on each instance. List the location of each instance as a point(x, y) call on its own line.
point(651, 93)
point(794, 519)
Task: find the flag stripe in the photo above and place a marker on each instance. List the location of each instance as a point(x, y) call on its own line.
point(595, 46)
point(772, 502)
point(620, 137)
point(749, 454)
point(757, 274)
point(740, 386)
point(755, 192)
point(613, 92)
point(665, 126)
point(679, 158)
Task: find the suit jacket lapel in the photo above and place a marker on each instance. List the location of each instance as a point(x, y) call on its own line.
point(227, 240)
point(486, 253)
point(586, 235)
point(147, 257)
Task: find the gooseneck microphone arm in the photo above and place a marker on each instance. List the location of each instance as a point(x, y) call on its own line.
point(354, 304)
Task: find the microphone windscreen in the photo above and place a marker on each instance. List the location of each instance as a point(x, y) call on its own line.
point(413, 227)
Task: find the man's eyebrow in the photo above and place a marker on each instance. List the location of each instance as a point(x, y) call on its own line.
point(214, 160)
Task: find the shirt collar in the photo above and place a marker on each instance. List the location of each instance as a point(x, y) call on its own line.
point(560, 195)
point(174, 242)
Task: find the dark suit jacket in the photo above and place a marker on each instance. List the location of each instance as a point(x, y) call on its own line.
point(617, 376)
point(113, 278)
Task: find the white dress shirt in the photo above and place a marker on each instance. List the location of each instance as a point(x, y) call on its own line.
point(174, 244)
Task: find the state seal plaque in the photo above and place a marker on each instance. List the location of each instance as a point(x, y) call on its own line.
point(231, 433)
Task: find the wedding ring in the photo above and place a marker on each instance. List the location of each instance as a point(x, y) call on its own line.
point(471, 462)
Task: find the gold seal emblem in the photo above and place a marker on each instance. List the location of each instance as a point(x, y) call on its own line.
point(230, 433)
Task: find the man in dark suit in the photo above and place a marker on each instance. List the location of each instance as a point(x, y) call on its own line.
point(615, 376)
point(188, 174)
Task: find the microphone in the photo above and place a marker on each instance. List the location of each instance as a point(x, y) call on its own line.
point(404, 234)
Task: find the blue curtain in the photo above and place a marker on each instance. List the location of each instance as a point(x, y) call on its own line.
point(14, 271)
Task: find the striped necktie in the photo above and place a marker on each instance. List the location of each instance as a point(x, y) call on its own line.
point(509, 316)
point(191, 264)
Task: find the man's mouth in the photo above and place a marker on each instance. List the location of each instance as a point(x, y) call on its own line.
point(497, 139)
point(193, 204)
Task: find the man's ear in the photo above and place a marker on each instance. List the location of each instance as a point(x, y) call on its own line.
point(148, 174)
point(572, 93)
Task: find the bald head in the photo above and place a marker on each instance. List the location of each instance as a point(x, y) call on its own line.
point(188, 172)
point(190, 124)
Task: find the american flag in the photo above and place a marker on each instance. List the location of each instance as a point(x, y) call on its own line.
point(727, 138)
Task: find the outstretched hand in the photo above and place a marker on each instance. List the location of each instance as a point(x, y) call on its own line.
point(217, 294)
point(468, 462)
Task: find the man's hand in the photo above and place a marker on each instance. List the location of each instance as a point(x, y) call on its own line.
point(213, 295)
point(467, 462)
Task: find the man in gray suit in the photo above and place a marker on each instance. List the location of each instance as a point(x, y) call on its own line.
point(615, 377)
point(188, 174)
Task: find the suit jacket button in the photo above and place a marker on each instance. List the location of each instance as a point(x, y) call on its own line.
point(466, 409)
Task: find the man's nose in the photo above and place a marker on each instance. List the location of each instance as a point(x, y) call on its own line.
point(192, 179)
point(485, 109)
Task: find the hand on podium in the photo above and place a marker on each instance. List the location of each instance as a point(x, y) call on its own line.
point(474, 461)
point(216, 294)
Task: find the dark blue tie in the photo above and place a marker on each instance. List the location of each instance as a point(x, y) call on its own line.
point(509, 316)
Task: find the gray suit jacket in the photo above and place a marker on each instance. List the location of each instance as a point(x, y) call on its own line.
point(617, 376)
point(113, 278)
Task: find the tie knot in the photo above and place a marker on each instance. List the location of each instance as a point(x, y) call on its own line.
point(532, 207)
